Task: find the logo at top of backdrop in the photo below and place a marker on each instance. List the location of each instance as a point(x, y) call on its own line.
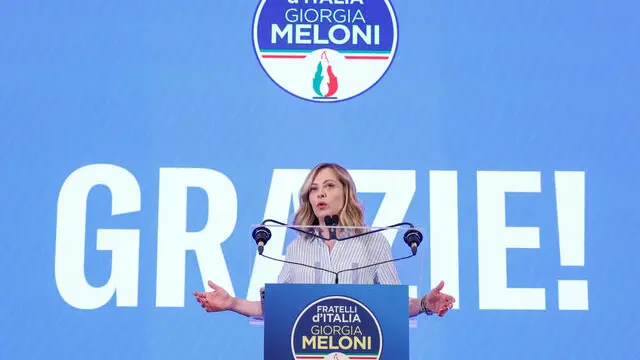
point(336, 328)
point(325, 50)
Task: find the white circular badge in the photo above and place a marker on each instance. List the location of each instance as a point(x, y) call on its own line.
point(325, 50)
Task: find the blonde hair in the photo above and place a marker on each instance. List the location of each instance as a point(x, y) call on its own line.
point(351, 214)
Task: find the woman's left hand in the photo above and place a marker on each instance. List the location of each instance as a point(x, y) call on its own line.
point(439, 302)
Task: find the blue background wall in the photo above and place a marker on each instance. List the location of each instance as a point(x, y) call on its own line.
point(476, 86)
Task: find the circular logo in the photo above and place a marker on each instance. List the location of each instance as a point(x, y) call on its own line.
point(325, 50)
point(336, 328)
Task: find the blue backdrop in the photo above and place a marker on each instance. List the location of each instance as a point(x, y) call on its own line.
point(507, 130)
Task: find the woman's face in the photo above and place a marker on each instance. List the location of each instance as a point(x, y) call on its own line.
point(326, 194)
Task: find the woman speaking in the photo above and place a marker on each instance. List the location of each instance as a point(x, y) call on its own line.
point(329, 190)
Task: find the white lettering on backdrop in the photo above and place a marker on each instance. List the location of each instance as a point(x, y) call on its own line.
point(398, 188)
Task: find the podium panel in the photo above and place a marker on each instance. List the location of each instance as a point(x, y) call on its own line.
point(336, 322)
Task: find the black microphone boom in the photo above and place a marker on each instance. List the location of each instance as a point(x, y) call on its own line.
point(262, 234)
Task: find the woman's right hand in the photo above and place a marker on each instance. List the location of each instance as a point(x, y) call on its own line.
point(216, 300)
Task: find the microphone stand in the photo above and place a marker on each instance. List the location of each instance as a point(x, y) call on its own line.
point(262, 234)
point(411, 231)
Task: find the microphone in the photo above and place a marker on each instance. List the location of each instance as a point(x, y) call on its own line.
point(332, 221)
point(261, 235)
point(412, 238)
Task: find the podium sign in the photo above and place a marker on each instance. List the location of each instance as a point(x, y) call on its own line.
point(336, 322)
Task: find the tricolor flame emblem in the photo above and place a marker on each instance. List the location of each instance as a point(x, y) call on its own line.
point(332, 81)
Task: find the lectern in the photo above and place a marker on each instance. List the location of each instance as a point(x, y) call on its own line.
point(336, 322)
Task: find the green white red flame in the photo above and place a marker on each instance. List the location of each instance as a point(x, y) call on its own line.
point(332, 83)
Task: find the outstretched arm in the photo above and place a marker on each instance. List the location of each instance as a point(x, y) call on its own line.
point(247, 308)
point(415, 308)
point(220, 300)
point(434, 302)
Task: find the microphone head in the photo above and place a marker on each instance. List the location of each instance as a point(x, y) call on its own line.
point(413, 238)
point(261, 234)
point(331, 220)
